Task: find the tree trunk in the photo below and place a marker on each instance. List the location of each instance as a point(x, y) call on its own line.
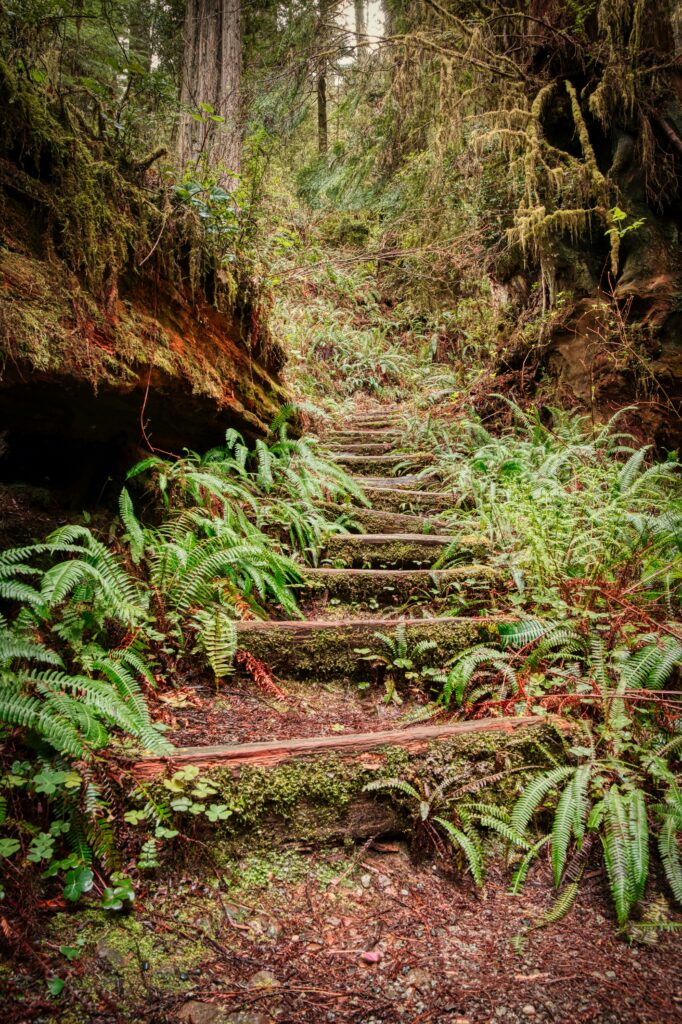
point(322, 121)
point(211, 76)
point(360, 30)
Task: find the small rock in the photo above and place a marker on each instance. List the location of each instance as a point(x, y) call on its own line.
point(529, 1010)
point(418, 978)
point(115, 957)
point(263, 924)
point(263, 979)
point(196, 1012)
point(366, 881)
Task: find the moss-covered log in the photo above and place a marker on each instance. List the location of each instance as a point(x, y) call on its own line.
point(397, 585)
point(118, 321)
point(273, 752)
point(372, 520)
point(324, 649)
point(399, 499)
point(398, 550)
point(390, 463)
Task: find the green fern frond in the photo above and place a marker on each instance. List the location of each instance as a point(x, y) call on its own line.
point(463, 842)
point(217, 635)
point(534, 794)
point(392, 784)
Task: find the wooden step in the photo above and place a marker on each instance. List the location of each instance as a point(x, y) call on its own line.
point(368, 448)
point(373, 520)
point(391, 423)
point(389, 416)
point(362, 436)
point(327, 648)
point(361, 550)
point(383, 463)
point(396, 585)
point(396, 499)
point(273, 752)
point(410, 481)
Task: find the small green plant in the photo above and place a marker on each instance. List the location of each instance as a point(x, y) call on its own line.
point(431, 830)
point(402, 661)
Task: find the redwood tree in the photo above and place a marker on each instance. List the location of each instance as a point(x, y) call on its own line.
point(210, 94)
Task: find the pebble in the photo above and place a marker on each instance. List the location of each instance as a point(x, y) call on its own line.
point(196, 1012)
point(529, 1010)
point(263, 979)
point(366, 881)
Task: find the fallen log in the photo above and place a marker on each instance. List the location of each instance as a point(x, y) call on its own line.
point(272, 752)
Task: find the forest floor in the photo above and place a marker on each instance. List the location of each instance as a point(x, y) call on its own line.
point(302, 936)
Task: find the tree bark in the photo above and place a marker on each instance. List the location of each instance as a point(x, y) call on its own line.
point(322, 119)
point(211, 76)
point(360, 30)
point(322, 125)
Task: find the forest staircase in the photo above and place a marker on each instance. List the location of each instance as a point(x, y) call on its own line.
point(393, 563)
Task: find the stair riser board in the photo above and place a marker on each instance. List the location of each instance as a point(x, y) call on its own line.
point(372, 465)
point(373, 520)
point(363, 550)
point(363, 437)
point(390, 499)
point(324, 649)
point(375, 448)
point(408, 482)
point(390, 586)
point(376, 422)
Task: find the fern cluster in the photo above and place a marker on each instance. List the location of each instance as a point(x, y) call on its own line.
point(571, 515)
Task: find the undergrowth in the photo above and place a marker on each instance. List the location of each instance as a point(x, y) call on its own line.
point(92, 631)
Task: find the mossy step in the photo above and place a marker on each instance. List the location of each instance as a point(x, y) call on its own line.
point(396, 499)
point(391, 462)
point(374, 520)
point(389, 416)
point(411, 481)
point(361, 550)
point(273, 752)
point(324, 649)
point(371, 448)
point(396, 585)
point(362, 436)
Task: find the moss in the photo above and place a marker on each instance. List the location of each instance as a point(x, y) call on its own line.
point(388, 500)
point(361, 587)
point(330, 650)
point(322, 800)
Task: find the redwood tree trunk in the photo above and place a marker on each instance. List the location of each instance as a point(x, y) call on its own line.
point(322, 120)
point(211, 76)
point(322, 126)
point(360, 29)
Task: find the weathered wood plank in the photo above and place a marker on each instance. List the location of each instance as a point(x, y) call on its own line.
point(272, 752)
